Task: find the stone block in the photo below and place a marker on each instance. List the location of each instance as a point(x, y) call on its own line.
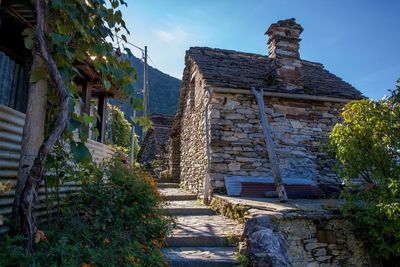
point(234, 166)
point(215, 114)
point(234, 116)
point(296, 124)
point(219, 167)
point(323, 258)
point(319, 252)
point(312, 246)
point(231, 104)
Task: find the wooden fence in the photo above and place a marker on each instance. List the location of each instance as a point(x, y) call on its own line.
point(11, 129)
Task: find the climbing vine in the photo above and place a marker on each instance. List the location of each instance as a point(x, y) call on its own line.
point(70, 33)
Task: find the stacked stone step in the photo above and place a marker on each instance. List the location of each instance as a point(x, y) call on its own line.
point(200, 236)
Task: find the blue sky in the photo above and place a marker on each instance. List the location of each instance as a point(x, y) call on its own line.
point(357, 40)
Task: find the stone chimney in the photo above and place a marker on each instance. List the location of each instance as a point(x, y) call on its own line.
point(283, 46)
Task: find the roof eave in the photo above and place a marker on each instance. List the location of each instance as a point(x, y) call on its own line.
point(246, 91)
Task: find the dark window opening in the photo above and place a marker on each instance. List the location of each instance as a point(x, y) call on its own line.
point(12, 83)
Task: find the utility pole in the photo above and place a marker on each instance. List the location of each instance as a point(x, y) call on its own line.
point(133, 139)
point(145, 85)
point(145, 89)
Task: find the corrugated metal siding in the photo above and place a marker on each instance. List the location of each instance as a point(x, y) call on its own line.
point(100, 152)
point(11, 129)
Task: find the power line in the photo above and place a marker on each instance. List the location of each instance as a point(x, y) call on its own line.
point(154, 64)
point(138, 47)
point(126, 41)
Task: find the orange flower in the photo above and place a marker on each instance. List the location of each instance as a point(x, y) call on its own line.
point(132, 259)
point(156, 243)
point(106, 241)
point(85, 265)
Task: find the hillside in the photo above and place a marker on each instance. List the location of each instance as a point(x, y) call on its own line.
point(163, 90)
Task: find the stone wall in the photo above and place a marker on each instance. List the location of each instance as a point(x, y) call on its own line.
point(329, 242)
point(304, 242)
point(173, 157)
point(193, 157)
point(298, 128)
point(301, 232)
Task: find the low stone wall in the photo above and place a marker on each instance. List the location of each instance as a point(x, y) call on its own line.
point(298, 234)
point(298, 128)
point(325, 242)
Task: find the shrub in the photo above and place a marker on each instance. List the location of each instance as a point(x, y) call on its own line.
point(112, 223)
point(367, 146)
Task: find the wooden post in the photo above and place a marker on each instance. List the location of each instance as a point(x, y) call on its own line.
point(32, 137)
point(101, 122)
point(280, 188)
point(86, 97)
point(87, 100)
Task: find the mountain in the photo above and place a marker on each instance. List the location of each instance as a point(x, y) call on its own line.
point(163, 90)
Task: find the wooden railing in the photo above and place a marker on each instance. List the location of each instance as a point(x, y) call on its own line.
point(11, 130)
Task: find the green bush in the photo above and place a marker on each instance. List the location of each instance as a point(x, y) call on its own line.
point(112, 223)
point(367, 146)
point(119, 132)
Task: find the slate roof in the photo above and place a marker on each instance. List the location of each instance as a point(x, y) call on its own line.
point(232, 69)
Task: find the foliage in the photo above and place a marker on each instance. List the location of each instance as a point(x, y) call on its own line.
point(4, 187)
point(83, 31)
point(367, 146)
point(120, 131)
point(243, 260)
point(77, 33)
point(117, 223)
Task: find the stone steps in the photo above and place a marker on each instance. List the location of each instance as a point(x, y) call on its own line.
point(186, 208)
point(204, 230)
point(180, 197)
point(188, 211)
point(199, 257)
point(199, 236)
point(168, 185)
point(175, 194)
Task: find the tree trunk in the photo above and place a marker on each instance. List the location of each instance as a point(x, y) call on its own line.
point(35, 178)
point(33, 133)
point(276, 174)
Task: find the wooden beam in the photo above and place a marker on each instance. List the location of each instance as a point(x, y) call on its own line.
point(244, 91)
point(101, 121)
point(276, 174)
point(86, 97)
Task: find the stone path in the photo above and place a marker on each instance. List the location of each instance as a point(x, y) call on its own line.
point(199, 237)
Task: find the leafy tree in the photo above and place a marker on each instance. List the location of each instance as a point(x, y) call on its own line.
point(120, 130)
point(367, 146)
point(66, 32)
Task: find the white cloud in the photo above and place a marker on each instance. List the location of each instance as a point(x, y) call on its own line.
point(175, 35)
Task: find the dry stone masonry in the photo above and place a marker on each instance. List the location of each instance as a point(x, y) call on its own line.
point(299, 233)
point(303, 101)
point(298, 127)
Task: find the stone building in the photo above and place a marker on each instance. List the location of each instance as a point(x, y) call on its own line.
point(155, 139)
point(303, 102)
